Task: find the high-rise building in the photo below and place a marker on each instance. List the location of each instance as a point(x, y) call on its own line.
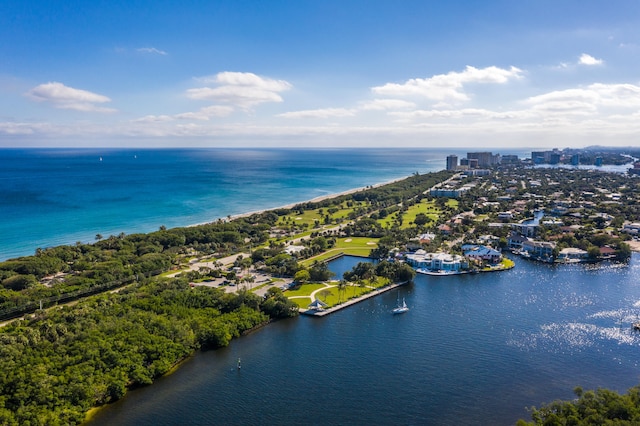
point(546, 157)
point(485, 159)
point(575, 159)
point(509, 159)
point(452, 162)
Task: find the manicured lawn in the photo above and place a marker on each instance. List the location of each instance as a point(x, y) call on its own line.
point(427, 207)
point(330, 298)
point(388, 221)
point(452, 202)
point(356, 242)
point(330, 293)
point(343, 213)
point(508, 263)
point(505, 264)
point(310, 216)
point(304, 289)
point(354, 246)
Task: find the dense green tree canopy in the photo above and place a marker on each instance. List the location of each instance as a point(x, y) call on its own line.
point(600, 407)
point(59, 363)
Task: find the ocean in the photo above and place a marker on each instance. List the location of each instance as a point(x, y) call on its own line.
point(472, 350)
point(50, 197)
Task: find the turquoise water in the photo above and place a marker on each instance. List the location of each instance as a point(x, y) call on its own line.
point(50, 197)
point(472, 350)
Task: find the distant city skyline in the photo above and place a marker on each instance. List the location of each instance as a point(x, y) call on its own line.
point(360, 73)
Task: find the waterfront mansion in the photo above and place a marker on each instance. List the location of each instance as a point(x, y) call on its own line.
point(437, 261)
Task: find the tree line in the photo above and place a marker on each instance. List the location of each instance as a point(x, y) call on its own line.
point(116, 260)
point(59, 363)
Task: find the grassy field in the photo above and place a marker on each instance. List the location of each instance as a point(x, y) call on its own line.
point(309, 217)
point(330, 293)
point(354, 246)
point(429, 208)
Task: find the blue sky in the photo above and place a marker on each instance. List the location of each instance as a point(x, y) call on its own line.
point(319, 73)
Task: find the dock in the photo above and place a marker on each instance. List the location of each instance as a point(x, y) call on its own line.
point(373, 293)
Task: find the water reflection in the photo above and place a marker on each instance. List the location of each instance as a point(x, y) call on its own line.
point(472, 350)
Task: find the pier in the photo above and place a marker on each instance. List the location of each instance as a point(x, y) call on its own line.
point(373, 293)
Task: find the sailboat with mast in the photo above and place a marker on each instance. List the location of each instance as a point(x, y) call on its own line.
point(401, 308)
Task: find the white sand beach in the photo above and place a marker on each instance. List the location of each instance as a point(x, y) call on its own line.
point(313, 200)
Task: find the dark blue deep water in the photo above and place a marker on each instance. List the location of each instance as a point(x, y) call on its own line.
point(472, 350)
point(50, 197)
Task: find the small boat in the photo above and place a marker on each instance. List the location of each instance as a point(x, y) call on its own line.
point(400, 309)
point(239, 365)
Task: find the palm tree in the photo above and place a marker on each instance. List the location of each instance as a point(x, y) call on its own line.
point(355, 279)
point(362, 283)
point(342, 286)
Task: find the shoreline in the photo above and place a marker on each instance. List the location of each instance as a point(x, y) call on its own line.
point(635, 245)
point(372, 293)
point(292, 205)
point(242, 215)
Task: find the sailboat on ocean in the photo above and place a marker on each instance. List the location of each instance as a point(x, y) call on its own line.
point(401, 308)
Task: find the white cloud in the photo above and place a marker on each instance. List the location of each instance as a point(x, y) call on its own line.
point(566, 107)
point(151, 50)
point(320, 113)
point(597, 95)
point(581, 114)
point(10, 128)
point(243, 90)
point(251, 80)
point(203, 114)
point(153, 119)
point(457, 114)
point(65, 97)
point(448, 86)
point(386, 104)
point(586, 59)
point(206, 113)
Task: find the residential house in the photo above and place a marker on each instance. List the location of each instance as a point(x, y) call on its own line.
point(572, 254)
point(538, 249)
point(631, 228)
point(437, 261)
point(505, 215)
point(417, 242)
point(481, 253)
point(607, 252)
point(527, 229)
point(445, 229)
point(515, 241)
